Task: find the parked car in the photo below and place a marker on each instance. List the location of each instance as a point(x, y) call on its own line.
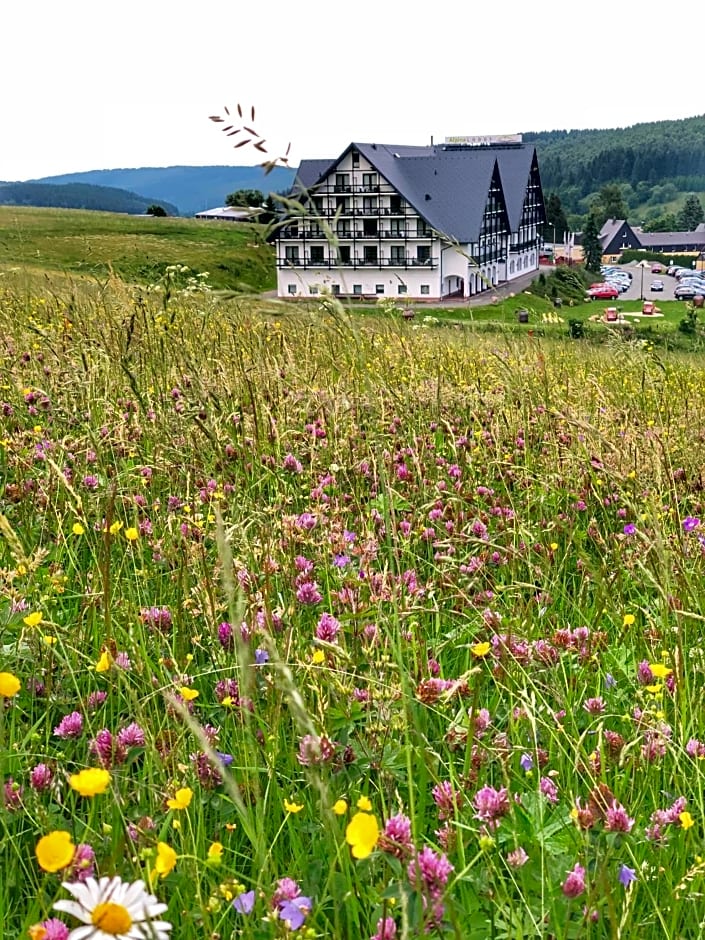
point(657, 285)
point(686, 292)
point(657, 268)
point(603, 292)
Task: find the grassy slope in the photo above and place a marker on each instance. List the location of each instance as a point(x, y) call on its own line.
point(137, 249)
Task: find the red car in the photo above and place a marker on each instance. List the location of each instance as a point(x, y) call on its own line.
point(603, 292)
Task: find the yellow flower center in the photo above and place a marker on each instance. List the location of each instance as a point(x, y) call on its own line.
point(111, 918)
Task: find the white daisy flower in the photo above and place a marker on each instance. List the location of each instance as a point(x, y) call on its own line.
point(112, 908)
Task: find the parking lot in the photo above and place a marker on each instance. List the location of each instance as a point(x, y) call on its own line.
point(642, 278)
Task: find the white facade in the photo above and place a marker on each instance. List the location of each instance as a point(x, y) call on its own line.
point(361, 238)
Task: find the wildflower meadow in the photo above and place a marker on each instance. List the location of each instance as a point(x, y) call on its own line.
point(336, 627)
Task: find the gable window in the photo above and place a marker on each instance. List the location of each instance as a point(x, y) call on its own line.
point(422, 229)
point(355, 158)
point(423, 254)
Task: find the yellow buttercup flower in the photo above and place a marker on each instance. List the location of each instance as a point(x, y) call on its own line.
point(364, 804)
point(33, 619)
point(77, 528)
point(215, 853)
point(293, 807)
point(188, 694)
point(628, 620)
point(686, 820)
point(131, 534)
point(181, 799)
point(659, 671)
point(481, 649)
point(55, 851)
point(361, 834)
point(90, 782)
point(115, 528)
point(318, 657)
point(340, 807)
point(103, 664)
point(166, 859)
point(9, 685)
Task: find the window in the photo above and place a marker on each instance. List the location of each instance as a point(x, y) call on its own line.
point(292, 231)
point(291, 288)
point(369, 181)
point(335, 289)
point(370, 254)
point(317, 254)
point(291, 253)
point(397, 255)
point(357, 288)
point(342, 182)
point(369, 227)
point(425, 289)
point(401, 288)
point(423, 254)
point(369, 205)
point(344, 254)
point(343, 228)
point(355, 158)
point(379, 288)
point(395, 205)
point(422, 229)
point(397, 227)
point(313, 289)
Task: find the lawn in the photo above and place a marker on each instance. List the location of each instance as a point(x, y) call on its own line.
point(344, 626)
point(135, 248)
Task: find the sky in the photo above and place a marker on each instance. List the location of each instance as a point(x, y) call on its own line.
point(132, 83)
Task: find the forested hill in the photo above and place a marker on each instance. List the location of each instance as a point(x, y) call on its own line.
point(191, 188)
point(666, 154)
point(78, 196)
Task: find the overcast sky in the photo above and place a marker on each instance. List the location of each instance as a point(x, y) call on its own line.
point(91, 85)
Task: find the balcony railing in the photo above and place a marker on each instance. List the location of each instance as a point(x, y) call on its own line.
point(407, 263)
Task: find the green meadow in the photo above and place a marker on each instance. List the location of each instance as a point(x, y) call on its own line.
point(331, 625)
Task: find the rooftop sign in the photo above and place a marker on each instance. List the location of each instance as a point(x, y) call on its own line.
point(489, 140)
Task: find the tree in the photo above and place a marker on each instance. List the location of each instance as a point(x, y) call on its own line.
point(691, 215)
point(555, 217)
point(245, 198)
point(156, 210)
point(662, 223)
point(592, 248)
point(612, 202)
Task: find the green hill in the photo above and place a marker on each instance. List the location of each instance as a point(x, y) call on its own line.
point(139, 249)
point(656, 164)
point(78, 196)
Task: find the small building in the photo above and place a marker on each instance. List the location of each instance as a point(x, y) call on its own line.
point(229, 214)
point(419, 222)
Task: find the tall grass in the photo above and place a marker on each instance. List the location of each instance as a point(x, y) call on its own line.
point(457, 579)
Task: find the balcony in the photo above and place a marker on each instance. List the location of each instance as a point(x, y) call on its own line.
point(354, 263)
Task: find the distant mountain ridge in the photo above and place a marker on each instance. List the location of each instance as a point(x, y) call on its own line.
point(78, 196)
point(190, 189)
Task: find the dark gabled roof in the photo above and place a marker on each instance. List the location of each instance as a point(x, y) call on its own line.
point(309, 173)
point(448, 187)
point(674, 240)
point(514, 170)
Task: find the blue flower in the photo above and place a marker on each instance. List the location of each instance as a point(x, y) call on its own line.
point(610, 681)
point(526, 762)
point(626, 875)
point(261, 657)
point(629, 529)
point(294, 912)
point(244, 902)
point(690, 523)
